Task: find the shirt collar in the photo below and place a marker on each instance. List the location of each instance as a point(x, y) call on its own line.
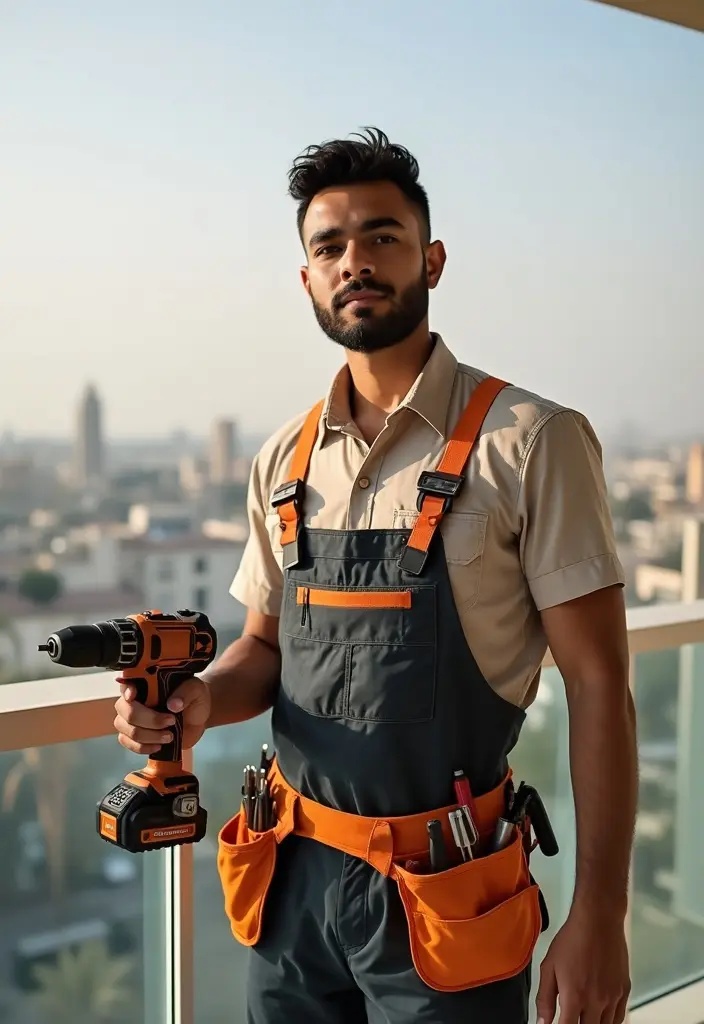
point(429, 396)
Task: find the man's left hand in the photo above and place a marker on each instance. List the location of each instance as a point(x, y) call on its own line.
point(587, 969)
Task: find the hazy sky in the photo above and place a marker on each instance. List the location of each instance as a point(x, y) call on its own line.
point(147, 242)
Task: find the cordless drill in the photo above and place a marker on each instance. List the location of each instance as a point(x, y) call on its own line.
point(159, 805)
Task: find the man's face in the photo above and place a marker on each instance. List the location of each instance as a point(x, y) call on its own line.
point(369, 266)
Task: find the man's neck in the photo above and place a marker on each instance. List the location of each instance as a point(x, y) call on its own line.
point(381, 380)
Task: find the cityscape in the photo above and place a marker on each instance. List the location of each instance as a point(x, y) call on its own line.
point(93, 528)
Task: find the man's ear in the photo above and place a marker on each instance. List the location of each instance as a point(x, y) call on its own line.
point(305, 279)
point(435, 259)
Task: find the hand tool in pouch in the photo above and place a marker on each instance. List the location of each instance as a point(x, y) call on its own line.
point(463, 796)
point(458, 824)
point(438, 852)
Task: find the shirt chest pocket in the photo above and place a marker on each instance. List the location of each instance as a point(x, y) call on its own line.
point(463, 539)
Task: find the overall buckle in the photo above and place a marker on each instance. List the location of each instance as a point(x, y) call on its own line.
point(292, 490)
point(290, 493)
point(439, 485)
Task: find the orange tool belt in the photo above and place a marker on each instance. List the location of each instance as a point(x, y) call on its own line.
point(472, 924)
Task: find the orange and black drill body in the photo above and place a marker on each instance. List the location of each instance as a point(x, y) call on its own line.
point(158, 805)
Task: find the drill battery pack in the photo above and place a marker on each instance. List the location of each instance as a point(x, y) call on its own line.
point(150, 810)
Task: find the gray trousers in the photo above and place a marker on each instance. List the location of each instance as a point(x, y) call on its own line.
point(335, 950)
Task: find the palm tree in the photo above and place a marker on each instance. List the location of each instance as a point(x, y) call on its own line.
point(87, 985)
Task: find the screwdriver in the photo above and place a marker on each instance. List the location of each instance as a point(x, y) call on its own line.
point(248, 796)
point(438, 853)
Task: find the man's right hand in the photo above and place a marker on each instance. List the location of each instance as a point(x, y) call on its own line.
point(141, 729)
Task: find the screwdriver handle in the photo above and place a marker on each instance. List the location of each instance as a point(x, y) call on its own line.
point(438, 852)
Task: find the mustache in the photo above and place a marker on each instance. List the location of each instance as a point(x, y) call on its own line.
point(368, 285)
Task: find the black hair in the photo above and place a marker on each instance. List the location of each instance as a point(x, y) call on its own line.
point(345, 162)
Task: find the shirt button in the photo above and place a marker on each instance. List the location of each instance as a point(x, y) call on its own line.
point(363, 482)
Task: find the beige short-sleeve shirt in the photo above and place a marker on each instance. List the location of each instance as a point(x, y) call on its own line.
point(530, 528)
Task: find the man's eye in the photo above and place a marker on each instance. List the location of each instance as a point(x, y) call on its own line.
point(328, 250)
point(385, 239)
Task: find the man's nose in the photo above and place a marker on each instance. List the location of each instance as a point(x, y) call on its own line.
point(356, 263)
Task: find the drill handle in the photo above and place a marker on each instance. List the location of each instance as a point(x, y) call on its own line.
point(168, 680)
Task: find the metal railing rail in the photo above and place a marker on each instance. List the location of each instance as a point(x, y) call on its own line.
point(65, 709)
point(71, 708)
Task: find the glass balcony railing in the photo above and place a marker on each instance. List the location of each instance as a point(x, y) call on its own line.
point(92, 934)
point(82, 934)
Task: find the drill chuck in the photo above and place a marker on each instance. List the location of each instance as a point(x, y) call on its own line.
point(115, 644)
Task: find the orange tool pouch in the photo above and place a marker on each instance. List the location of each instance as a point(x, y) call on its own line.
point(475, 923)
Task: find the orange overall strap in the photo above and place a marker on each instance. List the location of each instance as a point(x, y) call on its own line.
point(437, 489)
point(288, 498)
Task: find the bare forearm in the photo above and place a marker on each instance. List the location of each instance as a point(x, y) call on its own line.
point(603, 758)
point(243, 680)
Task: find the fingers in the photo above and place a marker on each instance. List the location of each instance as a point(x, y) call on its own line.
point(570, 1012)
point(618, 1015)
point(590, 1014)
point(546, 999)
point(192, 697)
point(127, 691)
point(140, 729)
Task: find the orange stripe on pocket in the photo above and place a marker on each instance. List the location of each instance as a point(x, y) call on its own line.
point(354, 598)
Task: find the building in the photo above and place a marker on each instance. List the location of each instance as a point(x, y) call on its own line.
point(695, 474)
point(657, 583)
point(89, 454)
point(192, 474)
point(193, 571)
point(161, 520)
point(16, 475)
point(223, 451)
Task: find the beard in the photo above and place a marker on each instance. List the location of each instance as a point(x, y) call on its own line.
point(372, 331)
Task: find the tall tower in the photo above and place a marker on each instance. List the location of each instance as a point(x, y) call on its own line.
point(223, 451)
point(695, 474)
point(89, 439)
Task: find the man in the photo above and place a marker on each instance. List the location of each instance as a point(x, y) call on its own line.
point(397, 632)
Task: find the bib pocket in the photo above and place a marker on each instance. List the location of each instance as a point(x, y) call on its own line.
point(360, 653)
point(475, 923)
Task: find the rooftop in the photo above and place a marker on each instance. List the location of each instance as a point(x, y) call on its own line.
point(82, 602)
point(174, 545)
